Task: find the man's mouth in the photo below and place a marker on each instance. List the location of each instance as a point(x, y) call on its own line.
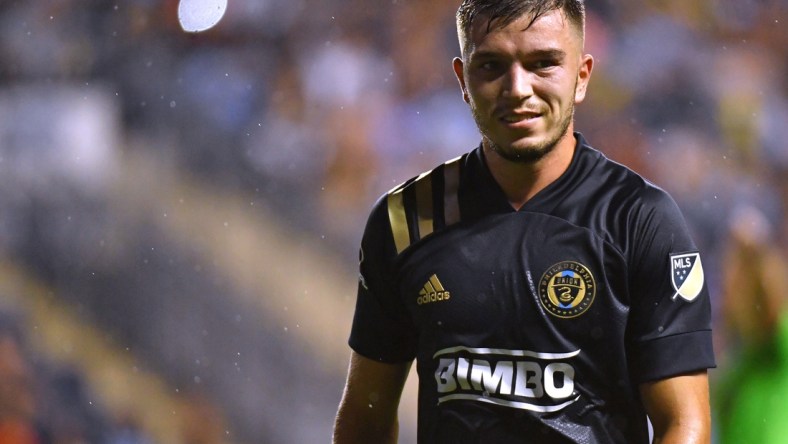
point(518, 117)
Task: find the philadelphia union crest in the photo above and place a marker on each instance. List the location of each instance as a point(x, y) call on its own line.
point(686, 274)
point(567, 289)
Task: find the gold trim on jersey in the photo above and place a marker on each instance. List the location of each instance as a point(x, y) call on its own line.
point(398, 220)
point(424, 204)
point(412, 217)
point(451, 180)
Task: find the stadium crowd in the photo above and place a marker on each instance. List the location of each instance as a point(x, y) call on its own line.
point(315, 108)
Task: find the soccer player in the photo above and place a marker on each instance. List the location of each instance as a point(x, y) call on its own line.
point(548, 294)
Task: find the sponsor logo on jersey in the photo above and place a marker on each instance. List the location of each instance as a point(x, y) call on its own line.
point(567, 289)
point(521, 379)
point(686, 272)
point(432, 291)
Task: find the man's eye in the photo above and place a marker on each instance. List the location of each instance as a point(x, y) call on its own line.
point(544, 64)
point(489, 66)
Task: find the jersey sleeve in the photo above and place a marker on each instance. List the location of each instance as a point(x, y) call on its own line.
point(382, 329)
point(669, 331)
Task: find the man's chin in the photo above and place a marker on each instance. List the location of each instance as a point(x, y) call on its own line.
point(523, 151)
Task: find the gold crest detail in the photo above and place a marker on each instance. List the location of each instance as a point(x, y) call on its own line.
point(567, 289)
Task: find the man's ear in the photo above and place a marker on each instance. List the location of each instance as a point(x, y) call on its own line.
point(583, 77)
point(458, 65)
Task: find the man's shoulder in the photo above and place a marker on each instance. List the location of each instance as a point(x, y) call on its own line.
point(420, 206)
point(616, 202)
point(620, 182)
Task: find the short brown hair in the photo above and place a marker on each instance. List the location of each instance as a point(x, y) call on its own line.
point(503, 12)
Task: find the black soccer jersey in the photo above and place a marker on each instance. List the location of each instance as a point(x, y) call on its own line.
point(535, 325)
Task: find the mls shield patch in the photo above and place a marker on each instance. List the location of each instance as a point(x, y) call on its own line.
point(686, 274)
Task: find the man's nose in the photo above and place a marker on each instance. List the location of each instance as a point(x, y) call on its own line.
point(518, 83)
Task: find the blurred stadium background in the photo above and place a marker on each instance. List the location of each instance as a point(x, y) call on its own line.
point(180, 213)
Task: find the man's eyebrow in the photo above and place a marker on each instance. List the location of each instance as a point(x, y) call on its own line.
point(485, 54)
point(554, 53)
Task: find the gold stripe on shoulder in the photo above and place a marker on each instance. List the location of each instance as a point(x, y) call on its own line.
point(424, 204)
point(422, 189)
point(451, 181)
point(397, 188)
point(398, 220)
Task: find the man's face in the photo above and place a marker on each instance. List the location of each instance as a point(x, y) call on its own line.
point(522, 83)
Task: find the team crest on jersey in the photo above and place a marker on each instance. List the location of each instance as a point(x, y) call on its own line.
point(567, 289)
point(686, 272)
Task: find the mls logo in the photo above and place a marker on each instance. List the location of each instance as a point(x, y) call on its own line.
point(686, 274)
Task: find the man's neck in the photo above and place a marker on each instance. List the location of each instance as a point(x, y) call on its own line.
point(522, 181)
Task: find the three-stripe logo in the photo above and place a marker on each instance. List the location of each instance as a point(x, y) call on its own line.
point(432, 291)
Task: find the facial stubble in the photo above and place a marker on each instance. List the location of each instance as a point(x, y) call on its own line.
point(532, 153)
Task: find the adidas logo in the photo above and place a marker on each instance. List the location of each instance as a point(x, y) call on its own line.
point(433, 291)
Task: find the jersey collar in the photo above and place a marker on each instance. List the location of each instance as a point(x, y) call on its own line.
point(483, 195)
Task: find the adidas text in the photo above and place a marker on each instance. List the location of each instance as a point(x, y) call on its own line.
point(433, 296)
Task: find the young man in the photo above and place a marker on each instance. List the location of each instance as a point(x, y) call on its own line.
point(548, 294)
